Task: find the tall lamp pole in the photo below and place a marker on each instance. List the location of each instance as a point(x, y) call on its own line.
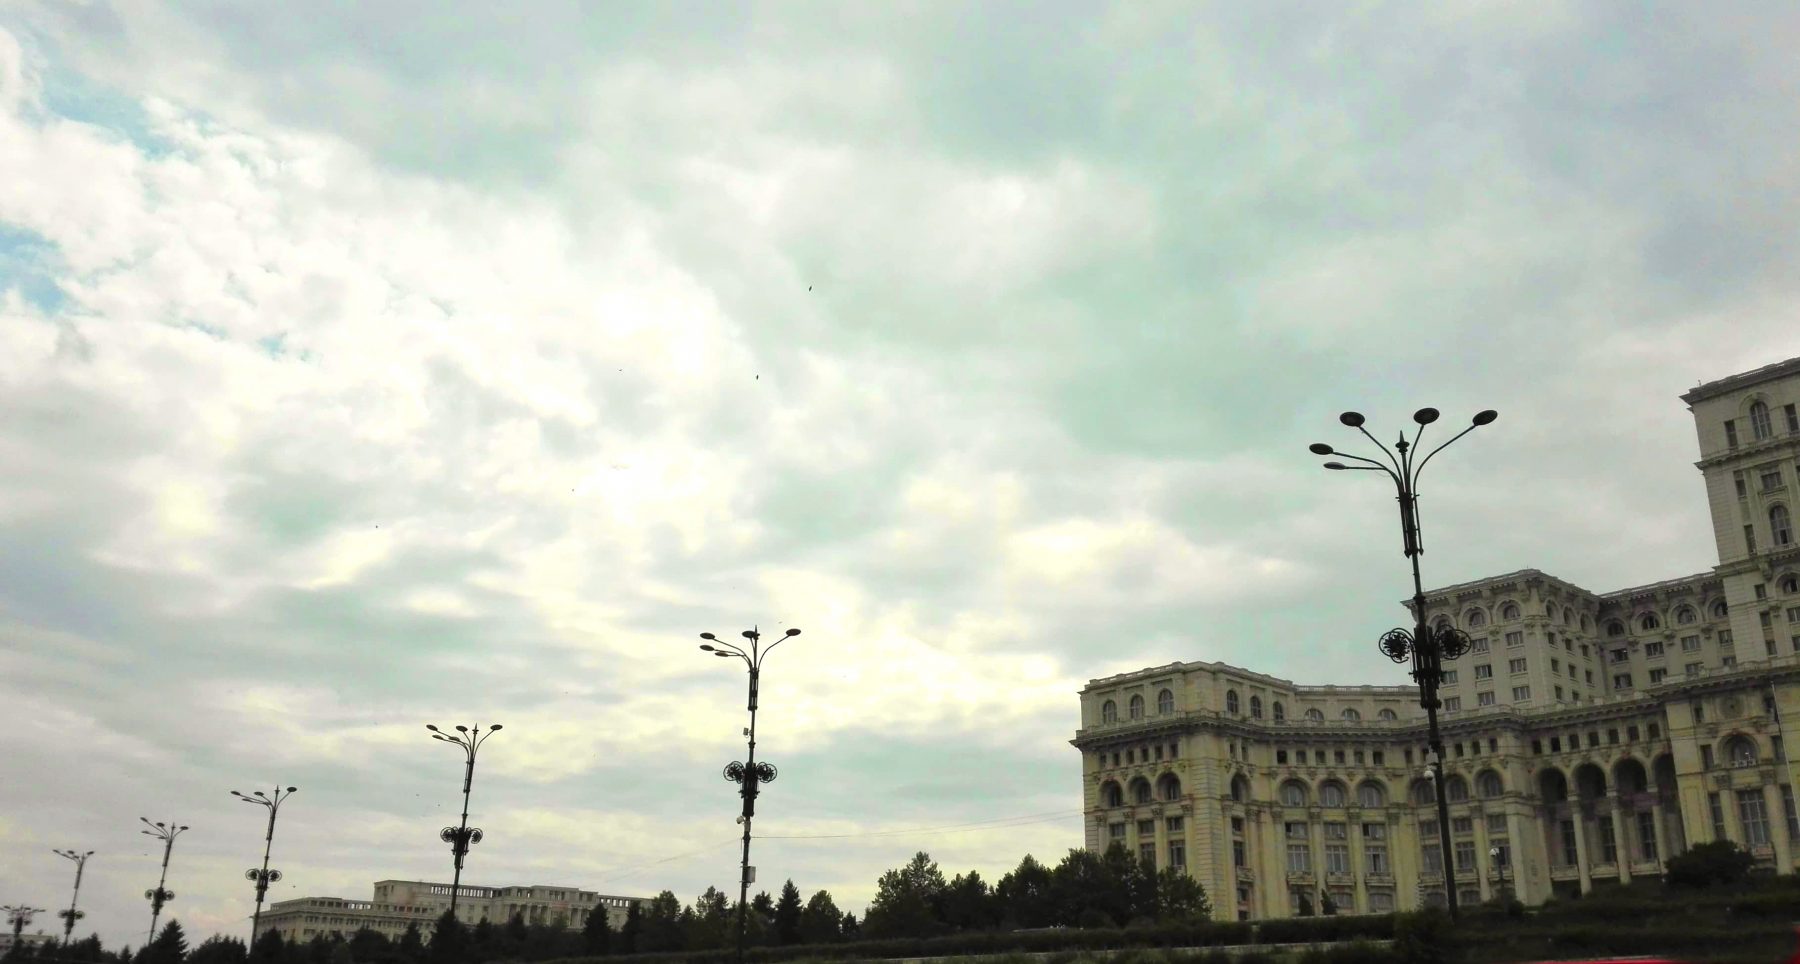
point(462, 836)
point(264, 877)
point(748, 774)
point(72, 915)
point(18, 916)
point(166, 832)
point(1427, 648)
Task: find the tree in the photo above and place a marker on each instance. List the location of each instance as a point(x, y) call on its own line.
point(820, 920)
point(787, 915)
point(1024, 896)
point(449, 941)
point(1327, 906)
point(851, 929)
point(631, 932)
point(596, 934)
point(761, 922)
point(368, 945)
point(516, 931)
point(712, 921)
point(1088, 891)
point(1180, 898)
point(967, 904)
point(1720, 862)
point(340, 953)
point(169, 947)
point(906, 900)
point(219, 949)
point(661, 930)
point(411, 946)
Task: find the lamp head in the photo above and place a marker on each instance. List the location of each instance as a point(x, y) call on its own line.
point(292, 789)
point(706, 647)
point(261, 794)
point(462, 729)
point(708, 636)
point(1485, 417)
point(495, 728)
point(1425, 416)
point(432, 727)
point(749, 634)
point(1352, 419)
point(793, 632)
point(1320, 448)
point(1336, 466)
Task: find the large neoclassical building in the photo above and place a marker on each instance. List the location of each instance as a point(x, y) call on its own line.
point(1588, 736)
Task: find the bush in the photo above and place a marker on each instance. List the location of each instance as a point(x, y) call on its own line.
point(1710, 864)
point(1422, 937)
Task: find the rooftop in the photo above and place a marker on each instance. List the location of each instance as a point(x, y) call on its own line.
point(1742, 380)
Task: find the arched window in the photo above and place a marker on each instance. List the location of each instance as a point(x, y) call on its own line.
point(1137, 706)
point(1256, 707)
point(1370, 795)
point(1759, 420)
point(1315, 715)
point(1509, 611)
point(1388, 714)
point(1351, 716)
point(1168, 787)
point(1615, 628)
point(1331, 794)
point(1781, 528)
point(1111, 795)
point(1109, 712)
point(1280, 712)
point(1165, 703)
point(1685, 615)
point(1443, 622)
point(1240, 788)
point(1231, 702)
point(1550, 610)
point(1423, 794)
point(1790, 584)
point(1293, 794)
point(1740, 751)
point(1568, 614)
point(1489, 785)
point(1648, 622)
point(1586, 623)
point(1456, 789)
point(1719, 609)
point(1475, 618)
point(1140, 790)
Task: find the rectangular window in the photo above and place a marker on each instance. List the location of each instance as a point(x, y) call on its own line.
point(1146, 828)
point(1793, 817)
point(1728, 662)
point(1559, 693)
point(1690, 644)
point(1793, 418)
point(1452, 704)
point(1590, 676)
point(1431, 859)
point(1337, 831)
point(1653, 649)
point(1515, 638)
point(1593, 738)
point(1646, 832)
point(1338, 757)
point(1693, 669)
point(1177, 854)
point(1117, 832)
point(1515, 666)
point(1706, 756)
point(1521, 694)
point(1717, 810)
point(1770, 479)
point(1237, 825)
point(1657, 674)
point(1612, 737)
point(1449, 677)
point(1730, 433)
point(1556, 744)
point(1753, 815)
point(1724, 638)
point(1793, 614)
point(1556, 666)
point(1465, 855)
point(1299, 859)
point(1377, 757)
point(1380, 901)
point(1620, 655)
point(1484, 671)
point(1496, 823)
point(1750, 538)
point(1428, 829)
point(1173, 824)
point(1280, 756)
point(1480, 645)
point(1655, 731)
point(1537, 746)
point(1147, 853)
point(1609, 847)
point(1761, 591)
point(1374, 831)
point(1337, 858)
point(1237, 854)
point(1737, 479)
point(1631, 734)
point(1484, 699)
point(1621, 681)
point(1359, 757)
point(1375, 858)
point(1462, 826)
point(1296, 830)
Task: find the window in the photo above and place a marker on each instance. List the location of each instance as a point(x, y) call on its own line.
point(1377, 756)
point(1351, 715)
point(1654, 649)
point(1386, 714)
point(1685, 615)
point(1550, 610)
point(1649, 622)
point(1496, 824)
point(1615, 628)
point(1173, 824)
point(1177, 854)
point(1338, 757)
point(1750, 538)
point(1109, 712)
point(1609, 845)
point(1256, 707)
point(1137, 707)
point(1147, 852)
point(1489, 785)
point(1146, 828)
point(1793, 817)
point(1293, 794)
point(1449, 677)
point(1279, 711)
point(1431, 859)
point(1479, 645)
point(1759, 420)
point(1117, 832)
point(1693, 669)
point(1452, 704)
point(1465, 857)
point(1331, 794)
point(1769, 478)
point(1728, 662)
point(1781, 529)
point(1559, 692)
point(1621, 655)
point(1555, 666)
point(1456, 789)
point(1231, 702)
point(1484, 671)
point(1370, 796)
point(1484, 699)
point(1337, 858)
point(1690, 644)
point(1509, 611)
point(1428, 829)
point(1753, 814)
point(1646, 833)
point(1740, 751)
point(1299, 859)
point(1706, 757)
point(1515, 639)
point(1515, 666)
point(1731, 433)
point(1658, 675)
point(1717, 810)
point(1165, 703)
point(1621, 681)
point(1521, 694)
point(1737, 479)
point(1374, 854)
point(1718, 609)
point(1793, 418)
point(1237, 853)
point(1475, 618)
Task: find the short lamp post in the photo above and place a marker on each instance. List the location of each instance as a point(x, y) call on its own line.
point(72, 915)
point(462, 836)
point(160, 895)
point(1427, 648)
point(1498, 855)
point(264, 877)
point(749, 774)
point(18, 916)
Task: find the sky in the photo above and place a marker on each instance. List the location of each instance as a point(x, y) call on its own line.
point(364, 366)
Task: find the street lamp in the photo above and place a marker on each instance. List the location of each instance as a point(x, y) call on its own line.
point(1498, 854)
point(462, 836)
point(72, 915)
point(748, 774)
point(264, 877)
point(166, 832)
point(1427, 648)
point(18, 916)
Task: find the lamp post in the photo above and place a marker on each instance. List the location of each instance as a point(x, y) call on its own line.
point(462, 836)
point(18, 916)
point(1498, 854)
point(72, 915)
point(264, 877)
point(166, 832)
point(1427, 648)
point(748, 774)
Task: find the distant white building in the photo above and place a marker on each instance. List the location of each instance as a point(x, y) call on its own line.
point(398, 904)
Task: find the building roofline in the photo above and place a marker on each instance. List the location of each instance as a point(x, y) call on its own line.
point(1696, 578)
point(1741, 380)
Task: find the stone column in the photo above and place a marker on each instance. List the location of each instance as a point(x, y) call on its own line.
point(1483, 863)
point(1359, 867)
point(1784, 858)
point(1662, 835)
point(1621, 840)
point(1582, 863)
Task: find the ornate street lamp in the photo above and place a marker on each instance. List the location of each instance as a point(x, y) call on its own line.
point(749, 774)
point(462, 836)
point(72, 915)
point(1498, 854)
point(18, 916)
point(166, 832)
point(264, 877)
point(1427, 648)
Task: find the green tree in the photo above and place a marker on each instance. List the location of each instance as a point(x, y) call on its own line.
point(1181, 899)
point(340, 953)
point(596, 933)
point(369, 945)
point(661, 929)
point(1025, 896)
point(169, 947)
point(820, 920)
point(787, 915)
point(449, 941)
point(713, 922)
point(906, 900)
point(761, 922)
point(1088, 891)
point(1719, 862)
point(1422, 937)
point(219, 949)
point(516, 931)
point(411, 945)
point(851, 928)
point(967, 904)
point(1327, 906)
point(631, 932)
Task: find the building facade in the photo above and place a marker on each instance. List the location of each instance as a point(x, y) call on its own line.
point(1588, 736)
point(399, 904)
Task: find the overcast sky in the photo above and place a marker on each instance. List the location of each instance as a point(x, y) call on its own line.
point(370, 365)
